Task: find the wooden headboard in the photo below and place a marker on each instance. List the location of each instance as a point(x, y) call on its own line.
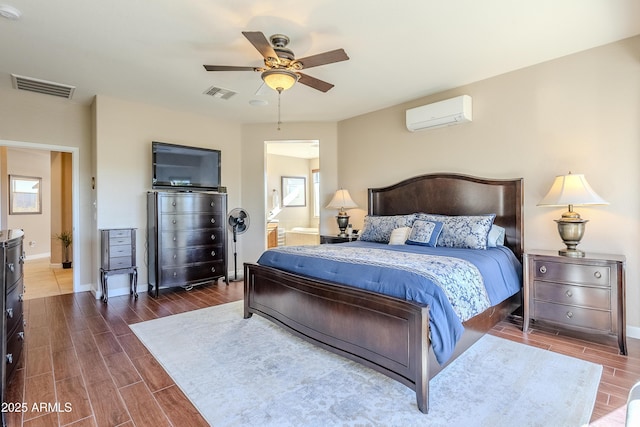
point(455, 194)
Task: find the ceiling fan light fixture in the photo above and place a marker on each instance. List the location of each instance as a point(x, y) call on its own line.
point(279, 80)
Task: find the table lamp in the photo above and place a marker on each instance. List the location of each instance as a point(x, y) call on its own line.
point(341, 201)
point(571, 189)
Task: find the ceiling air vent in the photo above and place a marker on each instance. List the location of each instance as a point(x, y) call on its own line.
point(217, 92)
point(42, 86)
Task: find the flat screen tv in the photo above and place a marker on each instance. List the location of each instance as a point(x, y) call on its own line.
point(182, 168)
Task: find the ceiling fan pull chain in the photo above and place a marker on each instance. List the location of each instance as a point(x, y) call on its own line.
point(279, 122)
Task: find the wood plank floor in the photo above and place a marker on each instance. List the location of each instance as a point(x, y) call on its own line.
point(82, 354)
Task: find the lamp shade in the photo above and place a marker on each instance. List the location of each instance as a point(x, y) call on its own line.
point(342, 200)
point(571, 189)
point(279, 80)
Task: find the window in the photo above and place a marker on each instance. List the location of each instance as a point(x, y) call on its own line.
point(24, 195)
point(315, 178)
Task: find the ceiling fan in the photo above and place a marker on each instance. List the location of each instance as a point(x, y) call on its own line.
point(281, 68)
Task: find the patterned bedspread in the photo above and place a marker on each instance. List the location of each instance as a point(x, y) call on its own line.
point(456, 283)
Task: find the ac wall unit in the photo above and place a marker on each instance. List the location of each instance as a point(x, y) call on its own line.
point(444, 113)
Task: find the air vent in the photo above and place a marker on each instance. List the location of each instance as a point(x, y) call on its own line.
point(217, 92)
point(42, 86)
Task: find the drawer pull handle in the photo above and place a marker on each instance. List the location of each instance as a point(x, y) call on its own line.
point(175, 256)
point(10, 313)
point(213, 220)
point(175, 274)
point(213, 253)
point(173, 221)
point(175, 238)
point(597, 275)
point(9, 358)
point(11, 267)
point(173, 203)
point(212, 204)
point(543, 269)
point(569, 294)
point(569, 314)
point(213, 269)
point(213, 237)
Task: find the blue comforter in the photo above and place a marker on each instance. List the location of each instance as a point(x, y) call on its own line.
point(456, 283)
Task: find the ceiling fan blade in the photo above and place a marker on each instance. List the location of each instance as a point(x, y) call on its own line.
point(228, 68)
point(318, 84)
point(260, 42)
point(324, 58)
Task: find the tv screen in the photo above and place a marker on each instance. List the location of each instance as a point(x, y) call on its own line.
point(182, 168)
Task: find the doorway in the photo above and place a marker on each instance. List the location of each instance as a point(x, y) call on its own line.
point(44, 275)
point(292, 219)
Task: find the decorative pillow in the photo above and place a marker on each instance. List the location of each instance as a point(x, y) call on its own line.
point(462, 231)
point(496, 236)
point(424, 233)
point(379, 228)
point(399, 236)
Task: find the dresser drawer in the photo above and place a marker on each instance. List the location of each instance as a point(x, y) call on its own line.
point(196, 273)
point(121, 233)
point(572, 316)
point(15, 343)
point(120, 251)
point(176, 203)
point(120, 241)
point(596, 275)
point(187, 238)
point(116, 263)
point(583, 296)
point(13, 266)
point(13, 309)
point(181, 256)
point(191, 221)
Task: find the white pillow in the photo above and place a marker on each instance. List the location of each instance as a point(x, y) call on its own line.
point(496, 236)
point(399, 235)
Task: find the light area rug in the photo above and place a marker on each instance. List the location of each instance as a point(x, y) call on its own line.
point(251, 372)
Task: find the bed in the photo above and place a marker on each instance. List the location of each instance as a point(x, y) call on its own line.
point(389, 334)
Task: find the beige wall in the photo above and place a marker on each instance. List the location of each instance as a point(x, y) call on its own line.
point(37, 227)
point(279, 166)
point(31, 120)
point(123, 135)
point(580, 113)
point(254, 185)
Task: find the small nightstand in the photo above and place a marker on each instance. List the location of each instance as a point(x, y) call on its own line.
point(336, 239)
point(583, 294)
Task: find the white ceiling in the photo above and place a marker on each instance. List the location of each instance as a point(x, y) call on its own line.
point(152, 51)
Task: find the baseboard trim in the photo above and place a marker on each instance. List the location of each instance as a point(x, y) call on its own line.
point(633, 332)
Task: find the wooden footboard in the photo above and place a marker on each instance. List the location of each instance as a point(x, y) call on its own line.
point(386, 334)
point(383, 333)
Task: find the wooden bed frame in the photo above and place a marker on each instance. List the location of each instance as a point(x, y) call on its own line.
point(384, 333)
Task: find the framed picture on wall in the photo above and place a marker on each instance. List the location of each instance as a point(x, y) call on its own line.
point(294, 191)
point(25, 196)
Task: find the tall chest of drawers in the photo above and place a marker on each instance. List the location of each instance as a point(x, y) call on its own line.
point(187, 238)
point(583, 294)
point(12, 255)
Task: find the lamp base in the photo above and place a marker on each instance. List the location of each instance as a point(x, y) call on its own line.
point(573, 253)
point(571, 229)
point(343, 223)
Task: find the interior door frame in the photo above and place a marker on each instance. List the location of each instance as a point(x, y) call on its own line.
point(75, 191)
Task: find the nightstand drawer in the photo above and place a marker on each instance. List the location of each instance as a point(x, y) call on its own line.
point(573, 295)
point(572, 273)
point(572, 316)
